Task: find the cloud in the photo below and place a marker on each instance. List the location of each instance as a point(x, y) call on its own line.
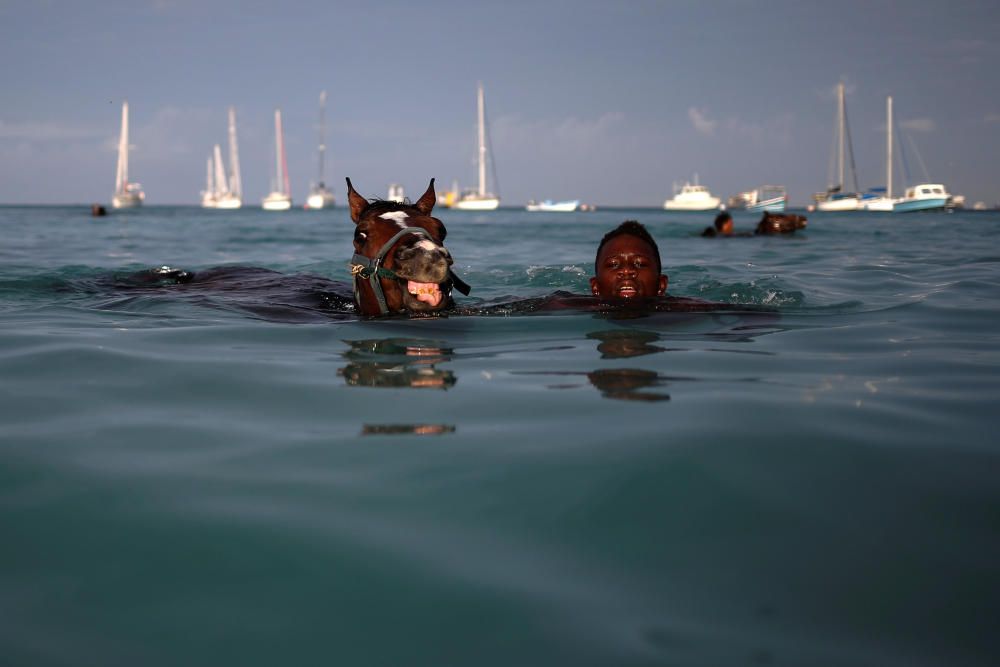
point(46, 131)
point(991, 118)
point(918, 125)
point(699, 118)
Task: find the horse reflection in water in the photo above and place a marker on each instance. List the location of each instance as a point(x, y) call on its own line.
point(394, 363)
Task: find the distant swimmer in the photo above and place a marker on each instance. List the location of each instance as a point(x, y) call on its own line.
point(723, 226)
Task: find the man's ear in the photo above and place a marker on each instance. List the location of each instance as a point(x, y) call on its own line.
point(595, 289)
point(662, 287)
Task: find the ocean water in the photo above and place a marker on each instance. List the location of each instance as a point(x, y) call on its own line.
point(247, 476)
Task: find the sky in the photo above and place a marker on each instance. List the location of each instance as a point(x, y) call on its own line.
point(608, 102)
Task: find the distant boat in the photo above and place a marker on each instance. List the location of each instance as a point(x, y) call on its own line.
point(280, 198)
point(835, 198)
point(396, 193)
point(771, 198)
point(127, 195)
point(208, 194)
point(692, 197)
point(922, 197)
point(320, 196)
point(548, 205)
point(880, 199)
point(230, 196)
point(479, 199)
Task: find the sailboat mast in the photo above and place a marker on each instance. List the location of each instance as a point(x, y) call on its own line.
point(209, 183)
point(235, 182)
point(278, 174)
point(280, 150)
point(888, 147)
point(482, 142)
point(322, 133)
point(220, 171)
point(121, 178)
point(840, 131)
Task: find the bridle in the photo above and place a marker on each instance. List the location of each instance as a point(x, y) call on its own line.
point(371, 269)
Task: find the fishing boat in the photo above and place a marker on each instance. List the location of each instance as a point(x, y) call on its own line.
point(692, 197)
point(320, 196)
point(771, 198)
point(567, 206)
point(127, 195)
point(479, 199)
point(230, 194)
point(280, 198)
point(881, 199)
point(836, 198)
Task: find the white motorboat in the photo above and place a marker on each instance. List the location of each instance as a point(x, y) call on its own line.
point(922, 197)
point(279, 198)
point(692, 197)
point(321, 196)
point(479, 199)
point(127, 195)
point(567, 206)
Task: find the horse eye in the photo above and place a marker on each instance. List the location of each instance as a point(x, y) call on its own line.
point(360, 236)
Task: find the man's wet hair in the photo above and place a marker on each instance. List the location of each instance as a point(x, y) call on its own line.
point(631, 228)
point(721, 220)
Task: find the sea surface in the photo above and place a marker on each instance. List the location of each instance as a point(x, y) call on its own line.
point(245, 476)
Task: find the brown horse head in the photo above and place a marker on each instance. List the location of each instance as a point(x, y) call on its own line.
point(400, 263)
point(780, 223)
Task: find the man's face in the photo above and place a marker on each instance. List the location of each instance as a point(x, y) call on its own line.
point(626, 269)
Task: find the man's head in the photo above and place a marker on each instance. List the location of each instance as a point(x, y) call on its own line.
point(724, 224)
point(628, 264)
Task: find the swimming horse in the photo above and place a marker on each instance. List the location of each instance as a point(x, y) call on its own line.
point(400, 263)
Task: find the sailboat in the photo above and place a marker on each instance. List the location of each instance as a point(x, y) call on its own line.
point(922, 196)
point(280, 198)
point(835, 199)
point(479, 199)
point(127, 195)
point(230, 194)
point(208, 194)
point(320, 196)
point(880, 199)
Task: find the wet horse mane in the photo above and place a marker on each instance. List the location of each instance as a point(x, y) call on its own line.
point(376, 205)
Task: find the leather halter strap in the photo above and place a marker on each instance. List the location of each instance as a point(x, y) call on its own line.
point(371, 269)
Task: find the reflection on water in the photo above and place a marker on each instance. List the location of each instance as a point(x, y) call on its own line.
point(407, 429)
point(397, 362)
point(617, 343)
point(624, 384)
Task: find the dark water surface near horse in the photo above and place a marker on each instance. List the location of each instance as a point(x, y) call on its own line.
point(243, 476)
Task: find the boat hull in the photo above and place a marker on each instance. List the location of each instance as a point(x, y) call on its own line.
point(229, 203)
point(320, 201)
point(556, 207)
point(126, 200)
point(845, 204)
point(276, 202)
point(879, 205)
point(911, 205)
point(709, 205)
point(776, 205)
point(485, 204)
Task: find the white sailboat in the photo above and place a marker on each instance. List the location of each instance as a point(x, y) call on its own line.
point(835, 199)
point(127, 195)
point(280, 198)
point(320, 196)
point(479, 199)
point(877, 199)
point(208, 194)
point(230, 196)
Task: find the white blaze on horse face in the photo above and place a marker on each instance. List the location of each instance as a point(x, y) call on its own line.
point(395, 216)
point(426, 244)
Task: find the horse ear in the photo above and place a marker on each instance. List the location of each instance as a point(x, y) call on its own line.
point(357, 202)
point(427, 200)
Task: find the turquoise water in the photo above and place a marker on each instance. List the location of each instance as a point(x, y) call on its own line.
point(245, 476)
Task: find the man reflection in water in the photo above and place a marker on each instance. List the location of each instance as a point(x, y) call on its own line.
point(628, 264)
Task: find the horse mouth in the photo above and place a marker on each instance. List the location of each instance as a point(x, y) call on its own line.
point(424, 296)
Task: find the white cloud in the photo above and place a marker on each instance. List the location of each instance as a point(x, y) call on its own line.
point(918, 125)
point(45, 131)
point(699, 118)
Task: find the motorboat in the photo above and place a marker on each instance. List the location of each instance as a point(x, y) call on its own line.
point(692, 197)
point(548, 205)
